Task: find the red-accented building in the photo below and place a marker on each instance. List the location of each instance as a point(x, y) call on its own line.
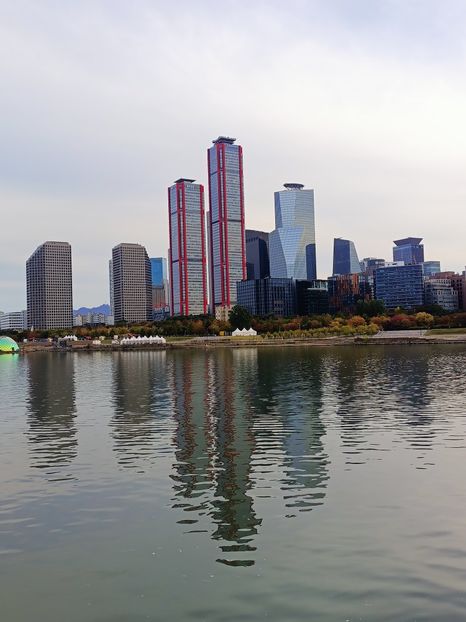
point(187, 254)
point(227, 246)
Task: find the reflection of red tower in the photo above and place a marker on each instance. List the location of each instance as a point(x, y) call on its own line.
point(226, 221)
point(194, 436)
point(187, 253)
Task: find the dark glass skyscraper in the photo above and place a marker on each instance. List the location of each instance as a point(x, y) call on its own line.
point(409, 250)
point(312, 297)
point(345, 257)
point(188, 265)
point(268, 296)
point(226, 223)
point(257, 254)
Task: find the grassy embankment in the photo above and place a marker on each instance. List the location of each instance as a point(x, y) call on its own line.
point(446, 331)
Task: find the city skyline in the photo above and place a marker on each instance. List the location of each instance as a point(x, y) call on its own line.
point(371, 121)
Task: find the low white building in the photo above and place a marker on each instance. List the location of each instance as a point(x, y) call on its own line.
point(93, 319)
point(15, 320)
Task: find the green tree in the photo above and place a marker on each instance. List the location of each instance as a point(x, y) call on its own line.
point(240, 317)
point(370, 308)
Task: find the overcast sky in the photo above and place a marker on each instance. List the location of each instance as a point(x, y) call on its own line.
point(104, 104)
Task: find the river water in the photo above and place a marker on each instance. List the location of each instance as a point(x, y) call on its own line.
point(235, 484)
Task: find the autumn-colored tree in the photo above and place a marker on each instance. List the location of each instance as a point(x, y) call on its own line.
point(424, 319)
point(401, 321)
point(356, 320)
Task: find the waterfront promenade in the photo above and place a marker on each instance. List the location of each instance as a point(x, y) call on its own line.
point(406, 337)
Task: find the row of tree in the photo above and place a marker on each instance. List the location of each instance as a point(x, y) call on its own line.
point(207, 325)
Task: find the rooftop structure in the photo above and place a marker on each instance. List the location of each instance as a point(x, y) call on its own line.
point(224, 139)
point(290, 186)
point(410, 250)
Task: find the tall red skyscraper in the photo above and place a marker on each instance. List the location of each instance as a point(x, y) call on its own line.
point(226, 223)
point(187, 253)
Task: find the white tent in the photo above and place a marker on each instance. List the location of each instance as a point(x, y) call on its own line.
point(139, 341)
point(244, 332)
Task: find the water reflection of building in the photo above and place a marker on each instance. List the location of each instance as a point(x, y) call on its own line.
point(140, 399)
point(233, 506)
point(376, 388)
point(214, 445)
point(194, 430)
point(295, 423)
point(356, 385)
point(51, 410)
point(412, 397)
point(243, 425)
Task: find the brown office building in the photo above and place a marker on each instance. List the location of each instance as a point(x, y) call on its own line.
point(49, 286)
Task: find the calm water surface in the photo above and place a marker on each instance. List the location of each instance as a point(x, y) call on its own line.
point(256, 484)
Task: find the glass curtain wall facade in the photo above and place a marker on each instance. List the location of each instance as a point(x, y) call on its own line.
point(370, 264)
point(160, 294)
point(226, 221)
point(292, 247)
point(409, 250)
point(400, 286)
point(431, 267)
point(345, 290)
point(257, 254)
point(158, 266)
point(268, 296)
point(187, 254)
point(312, 297)
point(345, 257)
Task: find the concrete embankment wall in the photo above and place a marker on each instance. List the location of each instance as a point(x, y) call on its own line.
point(244, 342)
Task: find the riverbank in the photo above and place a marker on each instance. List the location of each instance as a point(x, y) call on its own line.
point(382, 339)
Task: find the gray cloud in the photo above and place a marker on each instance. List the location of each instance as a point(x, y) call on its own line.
point(104, 104)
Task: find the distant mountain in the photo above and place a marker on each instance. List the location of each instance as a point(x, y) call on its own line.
point(105, 309)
